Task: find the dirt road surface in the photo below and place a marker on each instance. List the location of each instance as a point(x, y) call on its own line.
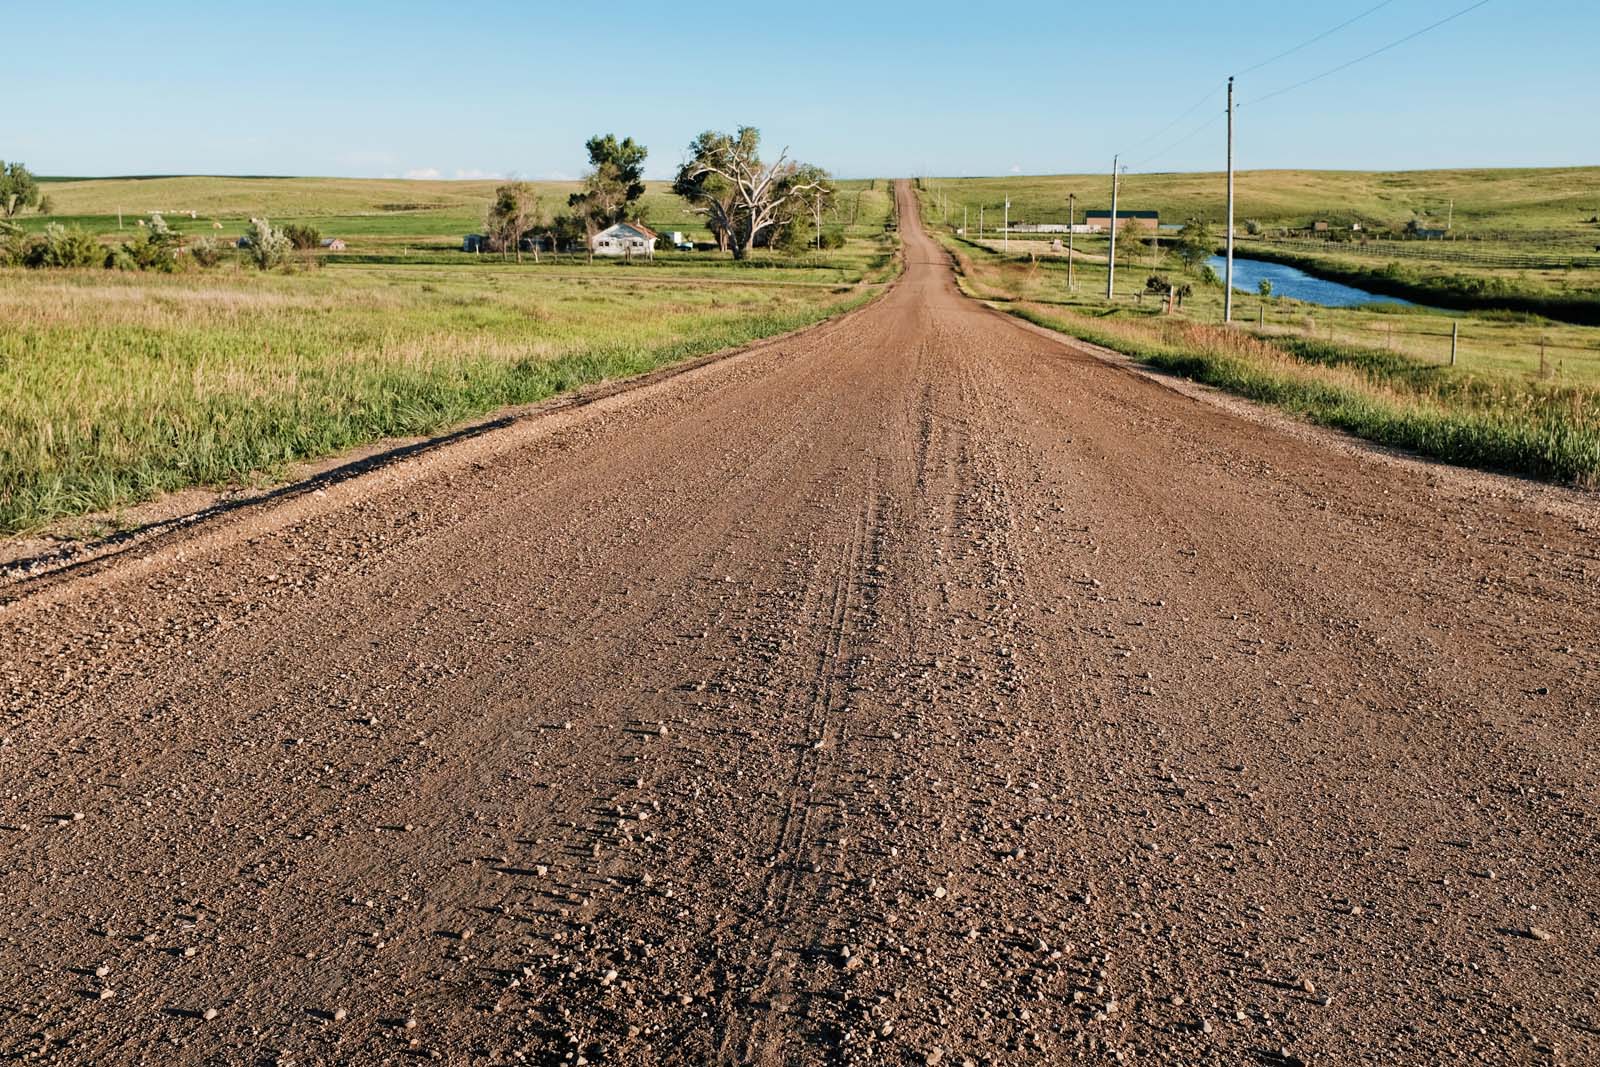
point(914, 690)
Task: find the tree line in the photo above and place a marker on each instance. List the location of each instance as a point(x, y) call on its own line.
point(747, 203)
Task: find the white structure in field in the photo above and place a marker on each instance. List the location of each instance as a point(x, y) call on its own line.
point(624, 239)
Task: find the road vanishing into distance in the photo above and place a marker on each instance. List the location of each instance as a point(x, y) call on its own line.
point(917, 689)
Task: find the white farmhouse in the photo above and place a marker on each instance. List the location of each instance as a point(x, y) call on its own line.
point(624, 239)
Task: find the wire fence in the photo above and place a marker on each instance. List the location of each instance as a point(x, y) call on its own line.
point(1543, 357)
point(1438, 251)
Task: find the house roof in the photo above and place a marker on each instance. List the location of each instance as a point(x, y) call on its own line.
point(637, 227)
point(1121, 214)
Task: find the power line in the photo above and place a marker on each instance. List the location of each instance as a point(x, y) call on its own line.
point(1180, 142)
point(1209, 93)
point(1314, 40)
point(1375, 52)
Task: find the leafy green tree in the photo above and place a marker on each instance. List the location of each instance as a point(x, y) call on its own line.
point(154, 247)
point(1195, 244)
point(13, 244)
point(207, 251)
point(512, 215)
point(19, 190)
point(614, 183)
point(1130, 240)
point(1264, 287)
point(64, 248)
point(265, 245)
point(303, 237)
point(742, 197)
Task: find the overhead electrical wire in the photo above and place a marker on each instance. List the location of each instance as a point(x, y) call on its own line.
point(1313, 40)
point(1375, 52)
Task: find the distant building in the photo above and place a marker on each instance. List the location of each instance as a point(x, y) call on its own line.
point(1319, 226)
point(1097, 221)
point(333, 244)
point(625, 239)
point(474, 242)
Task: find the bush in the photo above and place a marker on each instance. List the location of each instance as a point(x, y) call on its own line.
point(265, 245)
point(64, 248)
point(303, 238)
point(1265, 287)
point(207, 251)
point(13, 244)
point(154, 247)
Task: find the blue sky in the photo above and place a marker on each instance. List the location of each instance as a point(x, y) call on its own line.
point(360, 88)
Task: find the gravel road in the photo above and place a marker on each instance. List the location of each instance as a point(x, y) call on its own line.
point(917, 689)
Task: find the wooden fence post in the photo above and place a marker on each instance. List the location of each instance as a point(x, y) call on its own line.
point(1455, 338)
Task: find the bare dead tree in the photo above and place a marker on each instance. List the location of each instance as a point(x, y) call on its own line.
point(758, 196)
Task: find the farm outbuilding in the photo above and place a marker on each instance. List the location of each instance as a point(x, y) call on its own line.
point(624, 239)
point(333, 244)
point(1101, 220)
point(474, 242)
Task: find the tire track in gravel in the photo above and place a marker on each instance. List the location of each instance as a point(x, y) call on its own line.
point(1146, 734)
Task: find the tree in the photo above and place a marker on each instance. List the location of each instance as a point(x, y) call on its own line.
point(19, 191)
point(511, 217)
point(153, 247)
point(266, 245)
point(1264, 287)
point(1130, 245)
point(614, 183)
point(725, 179)
point(304, 237)
point(61, 247)
point(1195, 244)
point(709, 193)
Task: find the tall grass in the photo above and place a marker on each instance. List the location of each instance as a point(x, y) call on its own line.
point(114, 388)
point(1535, 429)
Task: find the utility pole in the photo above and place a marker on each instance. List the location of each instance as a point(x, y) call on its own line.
point(1072, 215)
point(1111, 254)
point(1450, 220)
point(1005, 240)
point(1227, 283)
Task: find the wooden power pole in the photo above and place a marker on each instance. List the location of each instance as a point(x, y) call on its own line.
point(1072, 215)
point(1111, 254)
point(1227, 282)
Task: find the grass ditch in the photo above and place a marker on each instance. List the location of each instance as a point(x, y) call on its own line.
point(116, 388)
point(1550, 432)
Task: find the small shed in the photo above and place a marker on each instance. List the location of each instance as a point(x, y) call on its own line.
point(333, 244)
point(1096, 221)
point(624, 239)
point(474, 242)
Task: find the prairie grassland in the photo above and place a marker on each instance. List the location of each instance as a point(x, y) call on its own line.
point(1490, 342)
point(1481, 413)
point(377, 213)
point(1514, 232)
point(115, 387)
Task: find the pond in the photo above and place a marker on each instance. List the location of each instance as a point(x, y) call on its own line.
point(1296, 284)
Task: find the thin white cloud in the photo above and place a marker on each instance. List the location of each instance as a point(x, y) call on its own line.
point(474, 173)
point(1016, 169)
point(418, 174)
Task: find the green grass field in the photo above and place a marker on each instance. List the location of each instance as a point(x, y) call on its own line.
point(117, 387)
point(374, 213)
point(1519, 240)
point(1380, 373)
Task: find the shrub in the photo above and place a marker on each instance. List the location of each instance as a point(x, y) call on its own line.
point(154, 247)
point(265, 245)
point(1265, 287)
point(61, 247)
point(303, 238)
point(207, 251)
point(13, 244)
